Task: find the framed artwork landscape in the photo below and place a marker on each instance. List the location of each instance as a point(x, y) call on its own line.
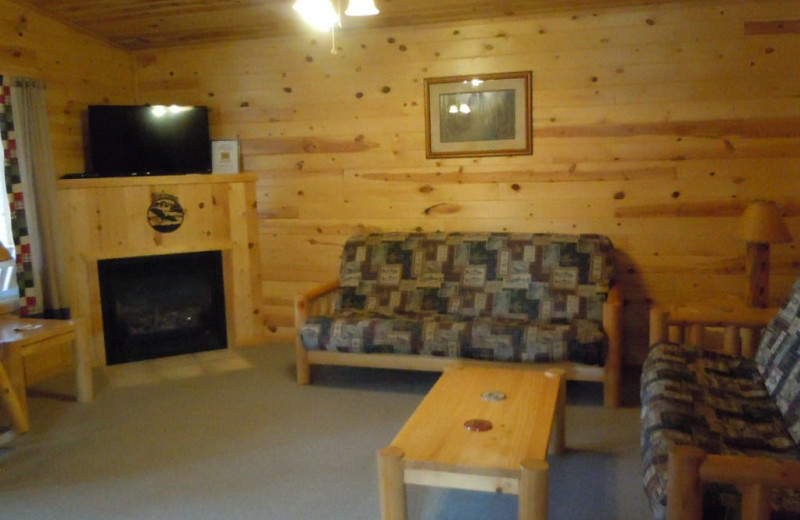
point(478, 115)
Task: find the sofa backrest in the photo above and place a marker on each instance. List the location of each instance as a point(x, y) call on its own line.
point(778, 359)
point(551, 278)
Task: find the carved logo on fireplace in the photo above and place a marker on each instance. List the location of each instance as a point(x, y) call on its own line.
point(165, 214)
point(163, 305)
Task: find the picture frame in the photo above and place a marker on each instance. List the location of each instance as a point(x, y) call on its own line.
point(479, 115)
point(225, 156)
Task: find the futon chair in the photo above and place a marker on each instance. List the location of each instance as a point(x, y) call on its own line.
point(721, 427)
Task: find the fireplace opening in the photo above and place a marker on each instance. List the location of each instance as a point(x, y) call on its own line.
point(165, 305)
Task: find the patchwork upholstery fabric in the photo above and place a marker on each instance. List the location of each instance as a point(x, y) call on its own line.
point(443, 335)
point(502, 296)
point(718, 403)
point(778, 358)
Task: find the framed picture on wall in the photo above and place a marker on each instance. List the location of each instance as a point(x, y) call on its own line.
point(478, 115)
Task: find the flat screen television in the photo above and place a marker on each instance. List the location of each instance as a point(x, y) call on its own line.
point(128, 140)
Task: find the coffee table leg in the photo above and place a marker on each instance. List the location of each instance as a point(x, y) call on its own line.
point(392, 483)
point(533, 490)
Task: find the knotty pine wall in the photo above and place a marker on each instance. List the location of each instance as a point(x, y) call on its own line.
point(79, 70)
point(654, 126)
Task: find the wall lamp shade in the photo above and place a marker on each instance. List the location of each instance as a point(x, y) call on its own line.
point(361, 8)
point(762, 223)
point(5, 256)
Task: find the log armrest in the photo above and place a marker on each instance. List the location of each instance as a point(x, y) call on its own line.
point(689, 468)
point(741, 325)
point(318, 301)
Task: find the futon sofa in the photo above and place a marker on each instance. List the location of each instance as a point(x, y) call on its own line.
point(421, 301)
point(721, 427)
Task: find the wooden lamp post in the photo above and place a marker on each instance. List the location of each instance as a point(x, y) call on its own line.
point(761, 225)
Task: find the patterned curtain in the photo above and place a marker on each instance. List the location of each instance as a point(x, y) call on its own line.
point(29, 289)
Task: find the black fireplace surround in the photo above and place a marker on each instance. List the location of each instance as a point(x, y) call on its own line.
point(164, 305)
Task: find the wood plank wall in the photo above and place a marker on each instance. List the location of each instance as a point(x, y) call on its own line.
point(79, 70)
point(652, 125)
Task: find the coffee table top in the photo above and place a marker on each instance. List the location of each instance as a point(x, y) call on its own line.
point(435, 436)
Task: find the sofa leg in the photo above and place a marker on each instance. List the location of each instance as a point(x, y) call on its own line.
point(303, 374)
point(684, 488)
point(558, 431)
point(612, 324)
point(303, 366)
point(612, 393)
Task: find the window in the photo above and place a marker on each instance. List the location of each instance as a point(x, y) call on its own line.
point(8, 281)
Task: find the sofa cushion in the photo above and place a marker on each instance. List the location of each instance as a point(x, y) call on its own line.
point(716, 402)
point(500, 339)
point(778, 358)
point(544, 277)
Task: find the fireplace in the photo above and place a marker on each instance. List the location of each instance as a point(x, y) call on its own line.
point(163, 305)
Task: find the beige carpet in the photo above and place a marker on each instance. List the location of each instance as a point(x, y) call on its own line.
point(229, 435)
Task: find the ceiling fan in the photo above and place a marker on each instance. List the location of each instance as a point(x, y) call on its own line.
point(322, 15)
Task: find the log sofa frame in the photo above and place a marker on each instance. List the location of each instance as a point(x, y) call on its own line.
point(689, 468)
point(322, 299)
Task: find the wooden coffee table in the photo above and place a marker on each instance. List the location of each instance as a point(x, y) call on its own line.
point(435, 448)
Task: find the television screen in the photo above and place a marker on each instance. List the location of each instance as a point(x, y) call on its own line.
point(148, 140)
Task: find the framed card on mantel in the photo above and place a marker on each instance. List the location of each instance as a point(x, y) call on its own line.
point(225, 156)
point(478, 115)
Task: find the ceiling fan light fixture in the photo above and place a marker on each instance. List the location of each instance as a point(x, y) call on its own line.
point(361, 8)
point(320, 14)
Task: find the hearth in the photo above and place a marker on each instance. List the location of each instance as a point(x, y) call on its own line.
point(164, 305)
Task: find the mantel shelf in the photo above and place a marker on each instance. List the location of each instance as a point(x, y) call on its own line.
point(92, 255)
point(153, 180)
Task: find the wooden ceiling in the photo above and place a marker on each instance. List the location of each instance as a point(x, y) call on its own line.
point(142, 24)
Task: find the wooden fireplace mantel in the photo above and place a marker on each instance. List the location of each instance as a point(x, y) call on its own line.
point(108, 218)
